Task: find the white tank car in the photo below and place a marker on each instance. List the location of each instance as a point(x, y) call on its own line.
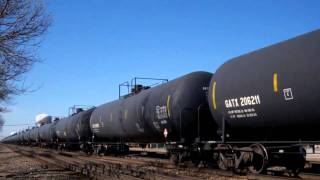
point(42, 119)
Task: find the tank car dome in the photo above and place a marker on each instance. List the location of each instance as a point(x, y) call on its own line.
point(43, 119)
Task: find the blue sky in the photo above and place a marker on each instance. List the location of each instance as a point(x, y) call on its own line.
point(92, 46)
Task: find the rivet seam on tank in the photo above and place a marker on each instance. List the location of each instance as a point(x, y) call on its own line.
point(275, 82)
point(214, 96)
point(168, 106)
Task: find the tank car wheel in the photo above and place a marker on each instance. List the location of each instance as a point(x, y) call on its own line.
point(222, 162)
point(259, 159)
point(195, 158)
point(299, 163)
point(174, 158)
point(183, 156)
point(294, 172)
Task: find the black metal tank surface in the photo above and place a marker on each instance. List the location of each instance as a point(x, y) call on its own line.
point(270, 95)
point(6, 139)
point(28, 136)
point(46, 133)
point(74, 128)
point(20, 137)
point(12, 139)
point(170, 108)
point(34, 134)
point(25, 138)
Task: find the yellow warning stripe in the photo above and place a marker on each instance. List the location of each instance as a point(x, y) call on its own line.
point(214, 96)
point(168, 106)
point(275, 82)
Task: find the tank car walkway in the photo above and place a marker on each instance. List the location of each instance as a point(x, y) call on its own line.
point(14, 165)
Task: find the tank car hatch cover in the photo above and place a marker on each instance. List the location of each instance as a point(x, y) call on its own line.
point(139, 84)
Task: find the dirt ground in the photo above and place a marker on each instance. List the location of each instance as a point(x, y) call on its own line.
point(16, 166)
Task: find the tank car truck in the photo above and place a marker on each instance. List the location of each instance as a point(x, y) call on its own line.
point(266, 105)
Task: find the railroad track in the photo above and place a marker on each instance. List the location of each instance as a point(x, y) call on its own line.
point(132, 167)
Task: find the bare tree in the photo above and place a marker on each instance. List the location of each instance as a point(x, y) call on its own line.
point(22, 24)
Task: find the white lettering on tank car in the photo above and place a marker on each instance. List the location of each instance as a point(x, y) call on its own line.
point(244, 101)
point(96, 125)
point(242, 113)
point(288, 94)
point(161, 112)
point(156, 125)
point(163, 122)
point(250, 100)
point(231, 103)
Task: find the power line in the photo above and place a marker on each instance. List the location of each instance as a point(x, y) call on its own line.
point(18, 125)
